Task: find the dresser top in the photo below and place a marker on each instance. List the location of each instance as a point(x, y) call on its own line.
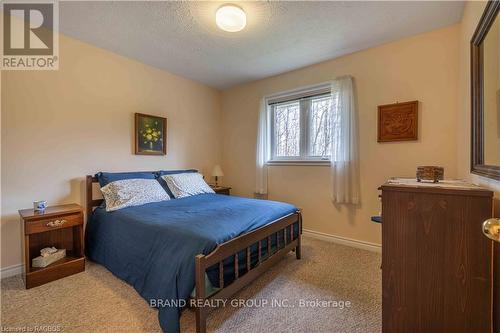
point(51, 211)
point(444, 186)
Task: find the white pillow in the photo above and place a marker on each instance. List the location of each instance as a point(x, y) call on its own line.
point(132, 192)
point(186, 184)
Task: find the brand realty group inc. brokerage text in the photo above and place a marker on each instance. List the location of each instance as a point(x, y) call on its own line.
point(250, 303)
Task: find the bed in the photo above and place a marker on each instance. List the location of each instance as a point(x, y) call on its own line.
point(195, 249)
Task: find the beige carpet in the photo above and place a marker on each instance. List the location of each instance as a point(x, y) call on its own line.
point(96, 301)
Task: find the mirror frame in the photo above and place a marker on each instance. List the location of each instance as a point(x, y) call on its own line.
point(477, 93)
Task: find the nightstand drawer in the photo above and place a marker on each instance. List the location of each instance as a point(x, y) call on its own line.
point(64, 221)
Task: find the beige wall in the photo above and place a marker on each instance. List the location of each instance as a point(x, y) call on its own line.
point(420, 68)
point(472, 13)
point(58, 126)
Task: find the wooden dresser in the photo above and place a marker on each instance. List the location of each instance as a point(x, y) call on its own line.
point(437, 266)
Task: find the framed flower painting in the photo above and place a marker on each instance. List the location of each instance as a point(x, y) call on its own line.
point(150, 135)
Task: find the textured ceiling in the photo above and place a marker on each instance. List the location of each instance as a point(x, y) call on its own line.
point(182, 38)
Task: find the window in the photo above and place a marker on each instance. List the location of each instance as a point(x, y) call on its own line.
point(301, 127)
point(287, 129)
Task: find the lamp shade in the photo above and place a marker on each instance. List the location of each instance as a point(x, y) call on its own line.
point(217, 172)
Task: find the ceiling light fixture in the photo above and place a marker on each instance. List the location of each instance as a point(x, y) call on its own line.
point(230, 18)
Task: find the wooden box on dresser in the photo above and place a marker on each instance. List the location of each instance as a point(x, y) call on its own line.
point(437, 266)
point(59, 226)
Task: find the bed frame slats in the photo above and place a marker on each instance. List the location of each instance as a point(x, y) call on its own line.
point(260, 252)
point(221, 274)
point(236, 267)
point(249, 264)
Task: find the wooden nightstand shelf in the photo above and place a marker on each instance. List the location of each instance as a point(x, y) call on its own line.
point(38, 233)
point(221, 189)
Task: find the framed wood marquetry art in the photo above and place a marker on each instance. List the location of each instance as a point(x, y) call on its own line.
point(398, 122)
point(150, 135)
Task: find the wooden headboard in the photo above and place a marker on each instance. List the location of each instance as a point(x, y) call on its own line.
point(91, 203)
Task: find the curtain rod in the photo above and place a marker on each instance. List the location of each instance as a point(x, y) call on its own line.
point(298, 90)
point(300, 96)
point(307, 87)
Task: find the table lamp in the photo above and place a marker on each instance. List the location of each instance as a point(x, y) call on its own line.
point(217, 172)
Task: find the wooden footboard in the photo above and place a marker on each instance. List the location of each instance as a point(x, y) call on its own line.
point(243, 243)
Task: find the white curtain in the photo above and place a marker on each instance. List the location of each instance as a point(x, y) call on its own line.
point(344, 156)
point(263, 137)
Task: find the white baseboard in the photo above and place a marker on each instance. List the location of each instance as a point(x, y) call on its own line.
point(343, 240)
point(11, 271)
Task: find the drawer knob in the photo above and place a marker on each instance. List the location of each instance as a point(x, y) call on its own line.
point(56, 223)
point(491, 229)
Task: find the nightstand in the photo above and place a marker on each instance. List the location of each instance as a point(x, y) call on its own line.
point(221, 189)
point(59, 226)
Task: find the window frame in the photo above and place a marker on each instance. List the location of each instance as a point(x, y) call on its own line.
point(305, 102)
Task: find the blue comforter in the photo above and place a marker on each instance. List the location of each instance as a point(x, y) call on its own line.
point(152, 247)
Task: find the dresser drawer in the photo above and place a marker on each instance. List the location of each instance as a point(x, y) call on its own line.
point(60, 222)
